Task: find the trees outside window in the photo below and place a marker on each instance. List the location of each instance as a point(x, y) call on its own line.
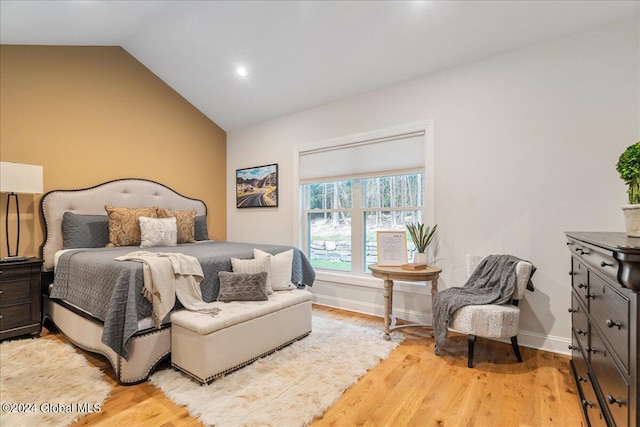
point(341, 217)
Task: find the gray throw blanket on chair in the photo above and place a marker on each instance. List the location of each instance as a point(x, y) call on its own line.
point(492, 282)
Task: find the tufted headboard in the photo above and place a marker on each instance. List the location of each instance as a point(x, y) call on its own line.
point(128, 193)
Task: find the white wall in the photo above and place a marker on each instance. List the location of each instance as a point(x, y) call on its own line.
point(525, 148)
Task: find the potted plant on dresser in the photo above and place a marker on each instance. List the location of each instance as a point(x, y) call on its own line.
point(421, 235)
point(629, 169)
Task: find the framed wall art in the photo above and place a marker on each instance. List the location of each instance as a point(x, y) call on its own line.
point(257, 187)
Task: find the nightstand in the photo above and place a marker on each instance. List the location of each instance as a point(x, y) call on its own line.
point(20, 298)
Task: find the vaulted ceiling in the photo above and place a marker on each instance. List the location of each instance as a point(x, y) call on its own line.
point(298, 54)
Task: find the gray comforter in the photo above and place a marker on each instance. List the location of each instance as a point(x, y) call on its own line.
point(492, 282)
point(111, 290)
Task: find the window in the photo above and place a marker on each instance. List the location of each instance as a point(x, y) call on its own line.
point(352, 186)
point(341, 217)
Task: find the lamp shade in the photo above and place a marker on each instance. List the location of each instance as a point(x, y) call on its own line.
point(20, 178)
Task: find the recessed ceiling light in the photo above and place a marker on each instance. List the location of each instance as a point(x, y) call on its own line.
point(242, 71)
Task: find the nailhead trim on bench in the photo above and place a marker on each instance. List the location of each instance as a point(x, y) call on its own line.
point(235, 368)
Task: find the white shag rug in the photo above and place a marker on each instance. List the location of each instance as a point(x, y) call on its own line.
point(45, 383)
point(288, 388)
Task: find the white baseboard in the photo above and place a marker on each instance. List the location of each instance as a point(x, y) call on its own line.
point(533, 340)
point(369, 308)
point(549, 343)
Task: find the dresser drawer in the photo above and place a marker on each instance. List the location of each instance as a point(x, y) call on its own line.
point(615, 391)
point(612, 383)
point(594, 412)
point(610, 313)
point(20, 295)
point(579, 364)
point(14, 290)
point(600, 260)
point(580, 280)
point(580, 321)
point(15, 315)
point(12, 272)
point(586, 393)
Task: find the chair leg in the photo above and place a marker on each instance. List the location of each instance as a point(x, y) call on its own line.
point(516, 349)
point(472, 341)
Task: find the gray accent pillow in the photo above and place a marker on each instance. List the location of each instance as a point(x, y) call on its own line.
point(84, 231)
point(252, 266)
point(242, 286)
point(200, 225)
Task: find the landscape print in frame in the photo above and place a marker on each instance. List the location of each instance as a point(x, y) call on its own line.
point(257, 187)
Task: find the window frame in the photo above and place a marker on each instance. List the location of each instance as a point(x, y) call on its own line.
point(355, 277)
point(358, 212)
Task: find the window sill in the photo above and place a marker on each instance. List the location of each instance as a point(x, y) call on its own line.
point(368, 281)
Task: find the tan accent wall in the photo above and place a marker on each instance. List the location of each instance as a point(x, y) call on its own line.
point(94, 114)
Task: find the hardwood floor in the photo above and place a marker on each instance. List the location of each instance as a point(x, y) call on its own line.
point(412, 387)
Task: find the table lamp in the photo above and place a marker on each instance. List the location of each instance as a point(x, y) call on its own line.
point(18, 178)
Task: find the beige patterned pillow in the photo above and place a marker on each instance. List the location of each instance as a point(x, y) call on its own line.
point(124, 224)
point(186, 223)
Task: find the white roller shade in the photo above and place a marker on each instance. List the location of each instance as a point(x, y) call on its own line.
point(363, 158)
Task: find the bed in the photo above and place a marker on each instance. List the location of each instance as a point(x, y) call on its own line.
point(97, 302)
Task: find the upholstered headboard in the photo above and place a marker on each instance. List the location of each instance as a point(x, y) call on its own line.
point(129, 193)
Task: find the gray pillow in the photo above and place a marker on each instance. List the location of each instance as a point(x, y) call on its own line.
point(200, 228)
point(84, 231)
point(242, 286)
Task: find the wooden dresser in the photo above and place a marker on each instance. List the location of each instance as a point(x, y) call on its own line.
point(605, 281)
point(20, 298)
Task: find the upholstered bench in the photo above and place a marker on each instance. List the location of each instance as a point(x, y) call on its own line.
point(207, 347)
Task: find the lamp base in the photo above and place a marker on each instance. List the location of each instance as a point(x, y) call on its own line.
point(14, 258)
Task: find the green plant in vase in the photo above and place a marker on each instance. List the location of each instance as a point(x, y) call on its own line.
point(421, 235)
point(628, 167)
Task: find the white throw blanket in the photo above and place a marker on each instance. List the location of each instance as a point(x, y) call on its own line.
point(167, 275)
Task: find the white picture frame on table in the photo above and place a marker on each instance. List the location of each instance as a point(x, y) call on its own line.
point(392, 248)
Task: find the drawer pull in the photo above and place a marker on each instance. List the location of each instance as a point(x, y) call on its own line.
point(572, 310)
point(613, 400)
point(606, 264)
point(581, 332)
point(586, 403)
point(588, 295)
point(582, 285)
point(572, 273)
point(592, 350)
point(611, 323)
point(1, 316)
point(572, 347)
point(1, 291)
point(582, 379)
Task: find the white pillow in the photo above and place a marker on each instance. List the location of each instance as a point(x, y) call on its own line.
point(252, 266)
point(158, 232)
point(279, 278)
